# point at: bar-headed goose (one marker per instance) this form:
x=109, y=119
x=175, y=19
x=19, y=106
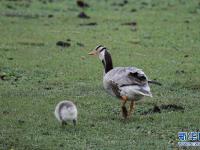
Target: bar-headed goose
x=126, y=83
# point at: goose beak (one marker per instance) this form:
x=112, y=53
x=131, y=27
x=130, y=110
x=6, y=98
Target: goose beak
x=94, y=52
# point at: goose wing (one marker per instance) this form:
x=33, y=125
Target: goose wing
x=125, y=76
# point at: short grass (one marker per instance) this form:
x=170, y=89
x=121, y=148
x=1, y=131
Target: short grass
x=36, y=74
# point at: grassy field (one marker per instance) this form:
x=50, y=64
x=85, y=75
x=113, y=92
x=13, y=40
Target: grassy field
x=35, y=73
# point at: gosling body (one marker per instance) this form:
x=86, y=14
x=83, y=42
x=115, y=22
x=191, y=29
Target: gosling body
x=66, y=111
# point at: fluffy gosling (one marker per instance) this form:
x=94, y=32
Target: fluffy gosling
x=66, y=111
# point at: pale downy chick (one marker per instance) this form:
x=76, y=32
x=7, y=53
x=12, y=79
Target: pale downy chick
x=66, y=111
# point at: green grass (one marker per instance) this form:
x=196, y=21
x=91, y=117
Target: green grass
x=38, y=74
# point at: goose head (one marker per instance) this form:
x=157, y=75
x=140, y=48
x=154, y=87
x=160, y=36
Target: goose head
x=104, y=56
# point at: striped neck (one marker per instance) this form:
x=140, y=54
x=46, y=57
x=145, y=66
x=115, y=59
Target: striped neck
x=107, y=62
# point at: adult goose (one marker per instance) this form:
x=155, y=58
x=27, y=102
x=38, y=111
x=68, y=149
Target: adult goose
x=126, y=83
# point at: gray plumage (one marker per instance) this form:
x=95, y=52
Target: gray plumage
x=66, y=111
x=131, y=82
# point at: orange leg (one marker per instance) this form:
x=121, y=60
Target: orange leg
x=124, y=110
x=132, y=107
